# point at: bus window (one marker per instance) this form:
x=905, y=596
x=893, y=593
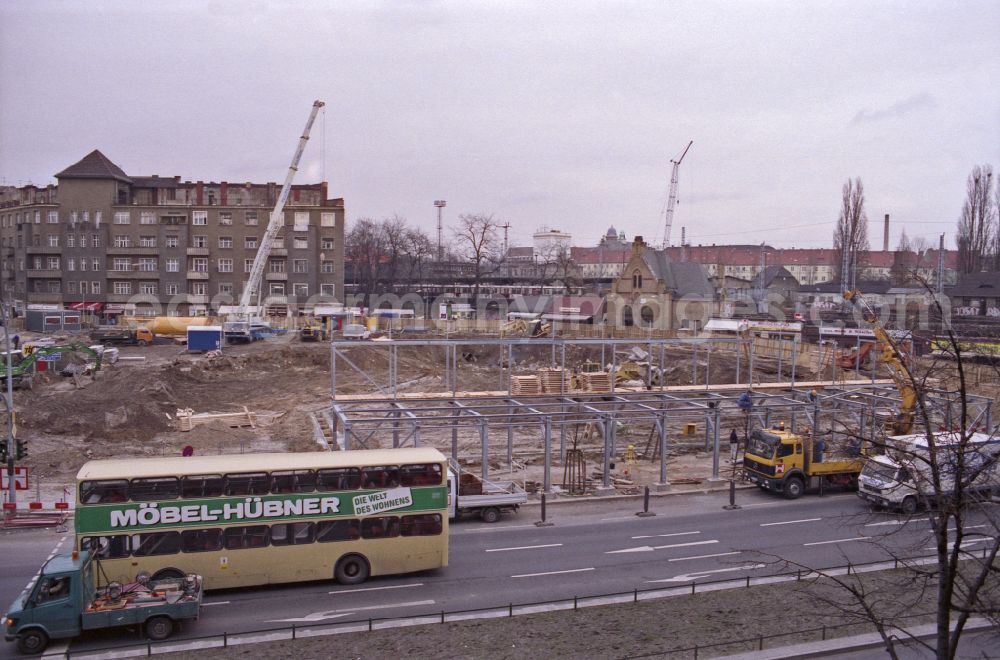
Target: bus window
x=255, y=483
x=300, y=481
x=162, y=488
x=292, y=533
x=156, y=543
x=201, y=540
x=102, y=492
x=337, y=530
x=106, y=547
x=380, y=528
x=238, y=538
x=381, y=477
x=420, y=475
x=422, y=525
x=340, y=479
x=208, y=485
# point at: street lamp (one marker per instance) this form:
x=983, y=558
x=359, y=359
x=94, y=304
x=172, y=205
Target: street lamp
x=440, y=204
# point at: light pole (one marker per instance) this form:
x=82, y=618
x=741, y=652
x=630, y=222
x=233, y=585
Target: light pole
x=440, y=204
x=9, y=400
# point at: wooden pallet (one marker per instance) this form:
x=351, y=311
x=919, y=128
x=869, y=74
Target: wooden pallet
x=525, y=385
x=553, y=380
x=596, y=382
x=187, y=419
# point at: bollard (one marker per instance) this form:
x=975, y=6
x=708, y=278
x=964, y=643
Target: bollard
x=645, y=505
x=543, y=522
x=732, y=497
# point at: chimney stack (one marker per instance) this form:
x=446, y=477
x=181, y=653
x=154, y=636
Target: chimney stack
x=885, y=236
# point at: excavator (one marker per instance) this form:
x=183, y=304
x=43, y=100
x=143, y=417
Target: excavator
x=893, y=358
x=849, y=359
x=533, y=328
x=20, y=371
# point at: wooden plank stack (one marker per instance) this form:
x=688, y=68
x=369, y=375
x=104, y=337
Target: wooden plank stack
x=553, y=380
x=525, y=385
x=599, y=381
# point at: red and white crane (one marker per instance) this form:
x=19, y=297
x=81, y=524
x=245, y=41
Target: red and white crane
x=672, y=197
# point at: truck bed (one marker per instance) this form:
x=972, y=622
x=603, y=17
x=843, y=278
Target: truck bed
x=162, y=599
x=840, y=464
x=499, y=493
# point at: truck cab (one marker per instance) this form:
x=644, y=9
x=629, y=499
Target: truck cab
x=789, y=463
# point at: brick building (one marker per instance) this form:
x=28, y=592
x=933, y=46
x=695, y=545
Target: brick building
x=108, y=242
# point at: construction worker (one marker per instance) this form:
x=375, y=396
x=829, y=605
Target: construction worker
x=734, y=445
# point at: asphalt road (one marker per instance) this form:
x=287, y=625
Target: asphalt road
x=593, y=548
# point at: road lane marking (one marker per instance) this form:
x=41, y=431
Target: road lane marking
x=856, y=538
x=572, y=570
x=391, y=586
x=57, y=649
x=887, y=522
x=218, y=602
x=495, y=528
x=965, y=542
x=790, y=522
x=650, y=548
x=526, y=547
x=687, y=577
x=656, y=536
x=334, y=614
x=720, y=554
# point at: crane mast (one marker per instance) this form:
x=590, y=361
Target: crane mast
x=275, y=223
x=672, y=197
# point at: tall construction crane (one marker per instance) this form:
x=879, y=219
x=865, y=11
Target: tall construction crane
x=237, y=326
x=672, y=198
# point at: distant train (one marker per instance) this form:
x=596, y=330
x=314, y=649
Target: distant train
x=982, y=349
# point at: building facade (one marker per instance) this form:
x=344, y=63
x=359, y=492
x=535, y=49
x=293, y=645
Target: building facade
x=108, y=242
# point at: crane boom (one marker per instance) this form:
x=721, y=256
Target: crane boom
x=276, y=221
x=672, y=197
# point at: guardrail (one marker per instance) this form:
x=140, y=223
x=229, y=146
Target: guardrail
x=372, y=624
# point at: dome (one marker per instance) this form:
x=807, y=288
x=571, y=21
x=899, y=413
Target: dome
x=612, y=233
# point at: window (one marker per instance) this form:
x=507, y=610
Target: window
x=172, y=241
x=293, y=533
x=173, y=265
x=147, y=241
x=95, y=241
x=148, y=288
x=121, y=263
x=225, y=265
x=36, y=263
x=301, y=290
x=95, y=264
x=252, y=483
x=326, y=266
x=199, y=264
x=278, y=242
x=123, y=288
x=201, y=540
x=225, y=241
x=95, y=287
x=38, y=217
x=326, y=243
x=300, y=242
x=173, y=289
x=147, y=218
x=156, y=543
x=428, y=524
x=328, y=531
x=147, y=264
x=225, y=218
x=226, y=288
x=102, y=492
x=83, y=240
x=54, y=286
x=199, y=289
x=277, y=288
x=636, y=279
x=52, y=263
x=121, y=217
x=380, y=477
x=53, y=217
x=250, y=242
x=247, y=265
x=300, y=266
x=70, y=287
x=238, y=538
x=70, y=240
x=276, y=266
x=53, y=240
x=380, y=528
x=298, y=481
x=83, y=263
x=199, y=218
x=327, y=219
x=211, y=485
x=420, y=475
x=70, y=263
x=301, y=221
x=327, y=289
x=122, y=241
x=251, y=218
x=339, y=479
x=199, y=241
x=106, y=547
x=158, y=488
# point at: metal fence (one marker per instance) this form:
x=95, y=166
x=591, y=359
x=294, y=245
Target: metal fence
x=371, y=624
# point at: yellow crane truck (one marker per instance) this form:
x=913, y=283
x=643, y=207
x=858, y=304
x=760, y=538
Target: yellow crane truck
x=789, y=463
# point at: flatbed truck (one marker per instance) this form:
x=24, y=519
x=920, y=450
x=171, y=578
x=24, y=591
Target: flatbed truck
x=469, y=494
x=65, y=600
x=789, y=463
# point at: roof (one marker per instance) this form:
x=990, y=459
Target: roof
x=986, y=285
x=130, y=468
x=155, y=182
x=771, y=273
x=682, y=278
x=586, y=306
x=875, y=287
x=94, y=165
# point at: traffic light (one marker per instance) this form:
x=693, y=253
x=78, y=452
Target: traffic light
x=22, y=450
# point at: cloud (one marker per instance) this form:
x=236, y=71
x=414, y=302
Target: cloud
x=898, y=109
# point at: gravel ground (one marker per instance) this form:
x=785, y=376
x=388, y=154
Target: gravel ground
x=659, y=628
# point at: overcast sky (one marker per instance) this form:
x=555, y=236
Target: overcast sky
x=557, y=114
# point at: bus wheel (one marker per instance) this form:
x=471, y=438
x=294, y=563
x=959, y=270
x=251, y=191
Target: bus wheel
x=352, y=569
x=32, y=641
x=159, y=627
x=793, y=488
x=490, y=514
x=168, y=574
x=909, y=505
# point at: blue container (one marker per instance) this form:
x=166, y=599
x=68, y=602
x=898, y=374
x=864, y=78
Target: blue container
x=204, y=338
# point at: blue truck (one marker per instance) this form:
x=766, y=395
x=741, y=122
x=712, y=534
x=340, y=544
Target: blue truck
x=65, y=600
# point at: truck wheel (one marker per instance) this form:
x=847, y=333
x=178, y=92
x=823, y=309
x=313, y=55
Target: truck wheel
x=909, y=505
x=490, y=514
x=168, y=574
x=794, y=488
x=32, y=641
x=159, y=628
x=352, y=569
x=144, y=342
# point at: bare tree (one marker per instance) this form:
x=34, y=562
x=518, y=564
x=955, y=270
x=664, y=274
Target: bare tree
x=365, y=251
x=977, y=236
x=477, y=240
x=850, y=239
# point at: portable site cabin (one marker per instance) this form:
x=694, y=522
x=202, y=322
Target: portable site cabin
x=52, y=320
x=204, y=338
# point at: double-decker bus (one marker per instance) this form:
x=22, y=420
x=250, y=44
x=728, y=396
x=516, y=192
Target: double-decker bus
x=252, y=519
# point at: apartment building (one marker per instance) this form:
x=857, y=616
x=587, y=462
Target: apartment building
x=108, y=242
